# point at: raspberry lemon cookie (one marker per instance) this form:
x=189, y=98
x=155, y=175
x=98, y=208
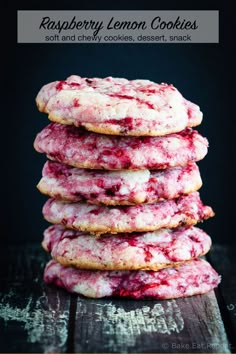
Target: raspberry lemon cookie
x=186, y=210
x=192, y=278
x=117, y=187
x=118, y=106
x=82, y=149
x=147, y=251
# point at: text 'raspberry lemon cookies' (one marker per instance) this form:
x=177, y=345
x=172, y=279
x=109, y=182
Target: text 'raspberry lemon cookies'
x=123, y=183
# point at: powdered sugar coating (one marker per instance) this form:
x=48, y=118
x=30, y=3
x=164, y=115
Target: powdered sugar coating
x=186, y=210
x=118, y=106
x=191, y=278
x=83, y=149
x=117, y=187
x=149, y=251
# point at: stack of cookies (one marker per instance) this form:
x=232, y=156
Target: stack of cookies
x=123, y=181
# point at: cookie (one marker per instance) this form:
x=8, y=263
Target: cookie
x=192, y=278
x=117, y=187
x=82, y=149
x=186, y=210
x=147, y=251
x=118, y=106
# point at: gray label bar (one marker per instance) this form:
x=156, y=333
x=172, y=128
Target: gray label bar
x=118, y=26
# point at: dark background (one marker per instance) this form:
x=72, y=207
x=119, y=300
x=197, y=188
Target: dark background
x=202, y=72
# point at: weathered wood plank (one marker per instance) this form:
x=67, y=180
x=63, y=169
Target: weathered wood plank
x=37, y=317
x=223, y=259
x=33, y=317
x=184, y=325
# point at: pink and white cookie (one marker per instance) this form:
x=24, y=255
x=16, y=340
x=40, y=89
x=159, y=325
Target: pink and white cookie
x=82, y=149
x=186, y=210
x=118, y=106
x=191, y=278
x=147, y=251
x=117, y=187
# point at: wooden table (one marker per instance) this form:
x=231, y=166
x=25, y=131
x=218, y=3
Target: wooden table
x=39, y=318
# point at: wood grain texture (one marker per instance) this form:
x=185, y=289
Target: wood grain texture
x=223, y=259
x=183, y=325
x=33, y=317
x=39, y=318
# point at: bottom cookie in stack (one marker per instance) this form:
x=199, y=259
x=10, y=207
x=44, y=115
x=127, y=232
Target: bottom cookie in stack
x=160, y=264
x=190, y=278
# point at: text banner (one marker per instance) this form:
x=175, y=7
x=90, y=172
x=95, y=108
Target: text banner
x=118, y=26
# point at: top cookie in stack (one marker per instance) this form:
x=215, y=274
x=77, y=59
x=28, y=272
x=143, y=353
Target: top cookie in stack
x=140, y=133
x=118, y=106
